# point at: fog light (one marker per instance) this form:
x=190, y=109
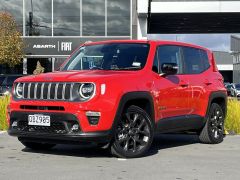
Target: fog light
x=75, y=128
x=14, y=124
x=93, y=117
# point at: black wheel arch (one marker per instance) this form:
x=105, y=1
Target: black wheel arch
x=219, y=97
x=142, y=99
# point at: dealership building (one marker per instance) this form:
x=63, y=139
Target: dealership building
x=52, y=29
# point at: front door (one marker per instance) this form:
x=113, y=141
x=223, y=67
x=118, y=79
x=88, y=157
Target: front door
x=173, y=90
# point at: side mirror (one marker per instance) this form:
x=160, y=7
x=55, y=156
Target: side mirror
x=169, y=68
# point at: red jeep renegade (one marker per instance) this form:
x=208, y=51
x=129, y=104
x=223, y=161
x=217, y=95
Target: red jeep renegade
x=121, y=93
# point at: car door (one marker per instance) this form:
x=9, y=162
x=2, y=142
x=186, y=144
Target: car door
x=196, y=66
x=173, y=90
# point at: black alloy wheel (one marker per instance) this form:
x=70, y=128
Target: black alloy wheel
x=134, y=134
x=213, y=131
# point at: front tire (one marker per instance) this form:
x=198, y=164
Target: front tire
x=213, y=131
x=134, y=134
x=37, y=146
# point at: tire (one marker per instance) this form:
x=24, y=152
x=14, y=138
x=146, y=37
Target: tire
x=133, y=135
x=213, y=131
x=37, y=146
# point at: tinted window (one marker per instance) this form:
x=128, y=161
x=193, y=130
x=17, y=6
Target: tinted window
x=170, y=54
x=195, y=60
x=116, y=56
x=237, y=86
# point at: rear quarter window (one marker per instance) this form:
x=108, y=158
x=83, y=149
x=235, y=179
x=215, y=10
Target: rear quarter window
x=195, y=60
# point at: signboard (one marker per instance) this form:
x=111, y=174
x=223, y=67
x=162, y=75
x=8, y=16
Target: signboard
x=55, y=46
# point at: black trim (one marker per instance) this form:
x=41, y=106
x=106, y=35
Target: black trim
x=135, y=95
x=215, y=95
x=180, y=123
x=68, y=136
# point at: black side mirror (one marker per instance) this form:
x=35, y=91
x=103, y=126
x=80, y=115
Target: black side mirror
x=169, y=68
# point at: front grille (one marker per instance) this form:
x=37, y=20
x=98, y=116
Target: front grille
x=50, y=91
x=48, y=108
x=55, y=128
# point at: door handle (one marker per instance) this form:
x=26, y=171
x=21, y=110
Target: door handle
x=183, y=84
x=207, y=82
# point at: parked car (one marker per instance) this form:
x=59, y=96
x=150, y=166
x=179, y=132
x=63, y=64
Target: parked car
x=119, y=94
x=7, y=83
x=230, y=91
x=236, y=90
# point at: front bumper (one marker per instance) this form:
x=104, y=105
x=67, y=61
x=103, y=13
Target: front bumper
x=59, y=132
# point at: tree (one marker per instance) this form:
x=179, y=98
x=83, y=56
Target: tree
x=11, y=43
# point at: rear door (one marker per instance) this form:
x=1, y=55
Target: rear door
x=197, y=68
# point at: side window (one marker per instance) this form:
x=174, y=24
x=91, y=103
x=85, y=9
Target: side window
x=205, y=59
x=195, y=60
x=170, y=54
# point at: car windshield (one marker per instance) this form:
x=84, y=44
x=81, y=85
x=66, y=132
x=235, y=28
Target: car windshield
x=114, y=56
x=237, y=86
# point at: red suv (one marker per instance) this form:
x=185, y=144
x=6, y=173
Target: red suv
x=121, y=93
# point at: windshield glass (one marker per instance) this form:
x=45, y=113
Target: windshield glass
x=116, y=56
x=237, y=86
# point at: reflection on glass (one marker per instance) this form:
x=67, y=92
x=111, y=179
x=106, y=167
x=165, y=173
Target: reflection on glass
x=93, y=17
x=66, y=17
x=14, y=7
x=118, y=20
x=38, y=17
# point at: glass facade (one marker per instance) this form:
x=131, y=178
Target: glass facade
x=15, y=8
x=38, y=14
x=66, y=21
x=93, y=16
x=82, y=18
x=118, y=18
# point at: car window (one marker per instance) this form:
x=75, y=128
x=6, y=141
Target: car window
x=170, y=54
x=1, y=80
x=237, y=86
x=195, y=60
x=9, y=80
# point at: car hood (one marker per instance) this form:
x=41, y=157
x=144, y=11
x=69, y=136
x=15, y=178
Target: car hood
x=75, y=76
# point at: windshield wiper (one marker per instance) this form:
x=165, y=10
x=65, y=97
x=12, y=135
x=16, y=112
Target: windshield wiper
x=126, y=68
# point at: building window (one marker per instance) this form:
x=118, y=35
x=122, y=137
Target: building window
x=66, y=18
x=38, y=17
x=93, y=17
x=118, y=17
x=15, y=8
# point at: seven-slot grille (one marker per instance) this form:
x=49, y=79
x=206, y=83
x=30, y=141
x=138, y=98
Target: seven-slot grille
x=50, y=90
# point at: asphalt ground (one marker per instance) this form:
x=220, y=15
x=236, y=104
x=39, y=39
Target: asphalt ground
x=173, y=157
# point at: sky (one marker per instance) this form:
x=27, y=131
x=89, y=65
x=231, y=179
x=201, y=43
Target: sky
x=215, y=42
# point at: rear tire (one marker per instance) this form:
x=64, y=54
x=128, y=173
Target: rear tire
x=213, y=131
x=134, y=134
x=37, y=146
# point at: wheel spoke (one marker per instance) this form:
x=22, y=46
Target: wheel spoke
x=134, y=145
x=135, y=118
x=126, y=145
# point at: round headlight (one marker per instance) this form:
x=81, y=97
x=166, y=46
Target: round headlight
x=19, y=90
x=86, y=90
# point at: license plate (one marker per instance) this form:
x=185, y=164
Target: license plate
x=38, y=120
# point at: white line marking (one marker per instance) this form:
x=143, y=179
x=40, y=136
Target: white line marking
x=121, y=159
